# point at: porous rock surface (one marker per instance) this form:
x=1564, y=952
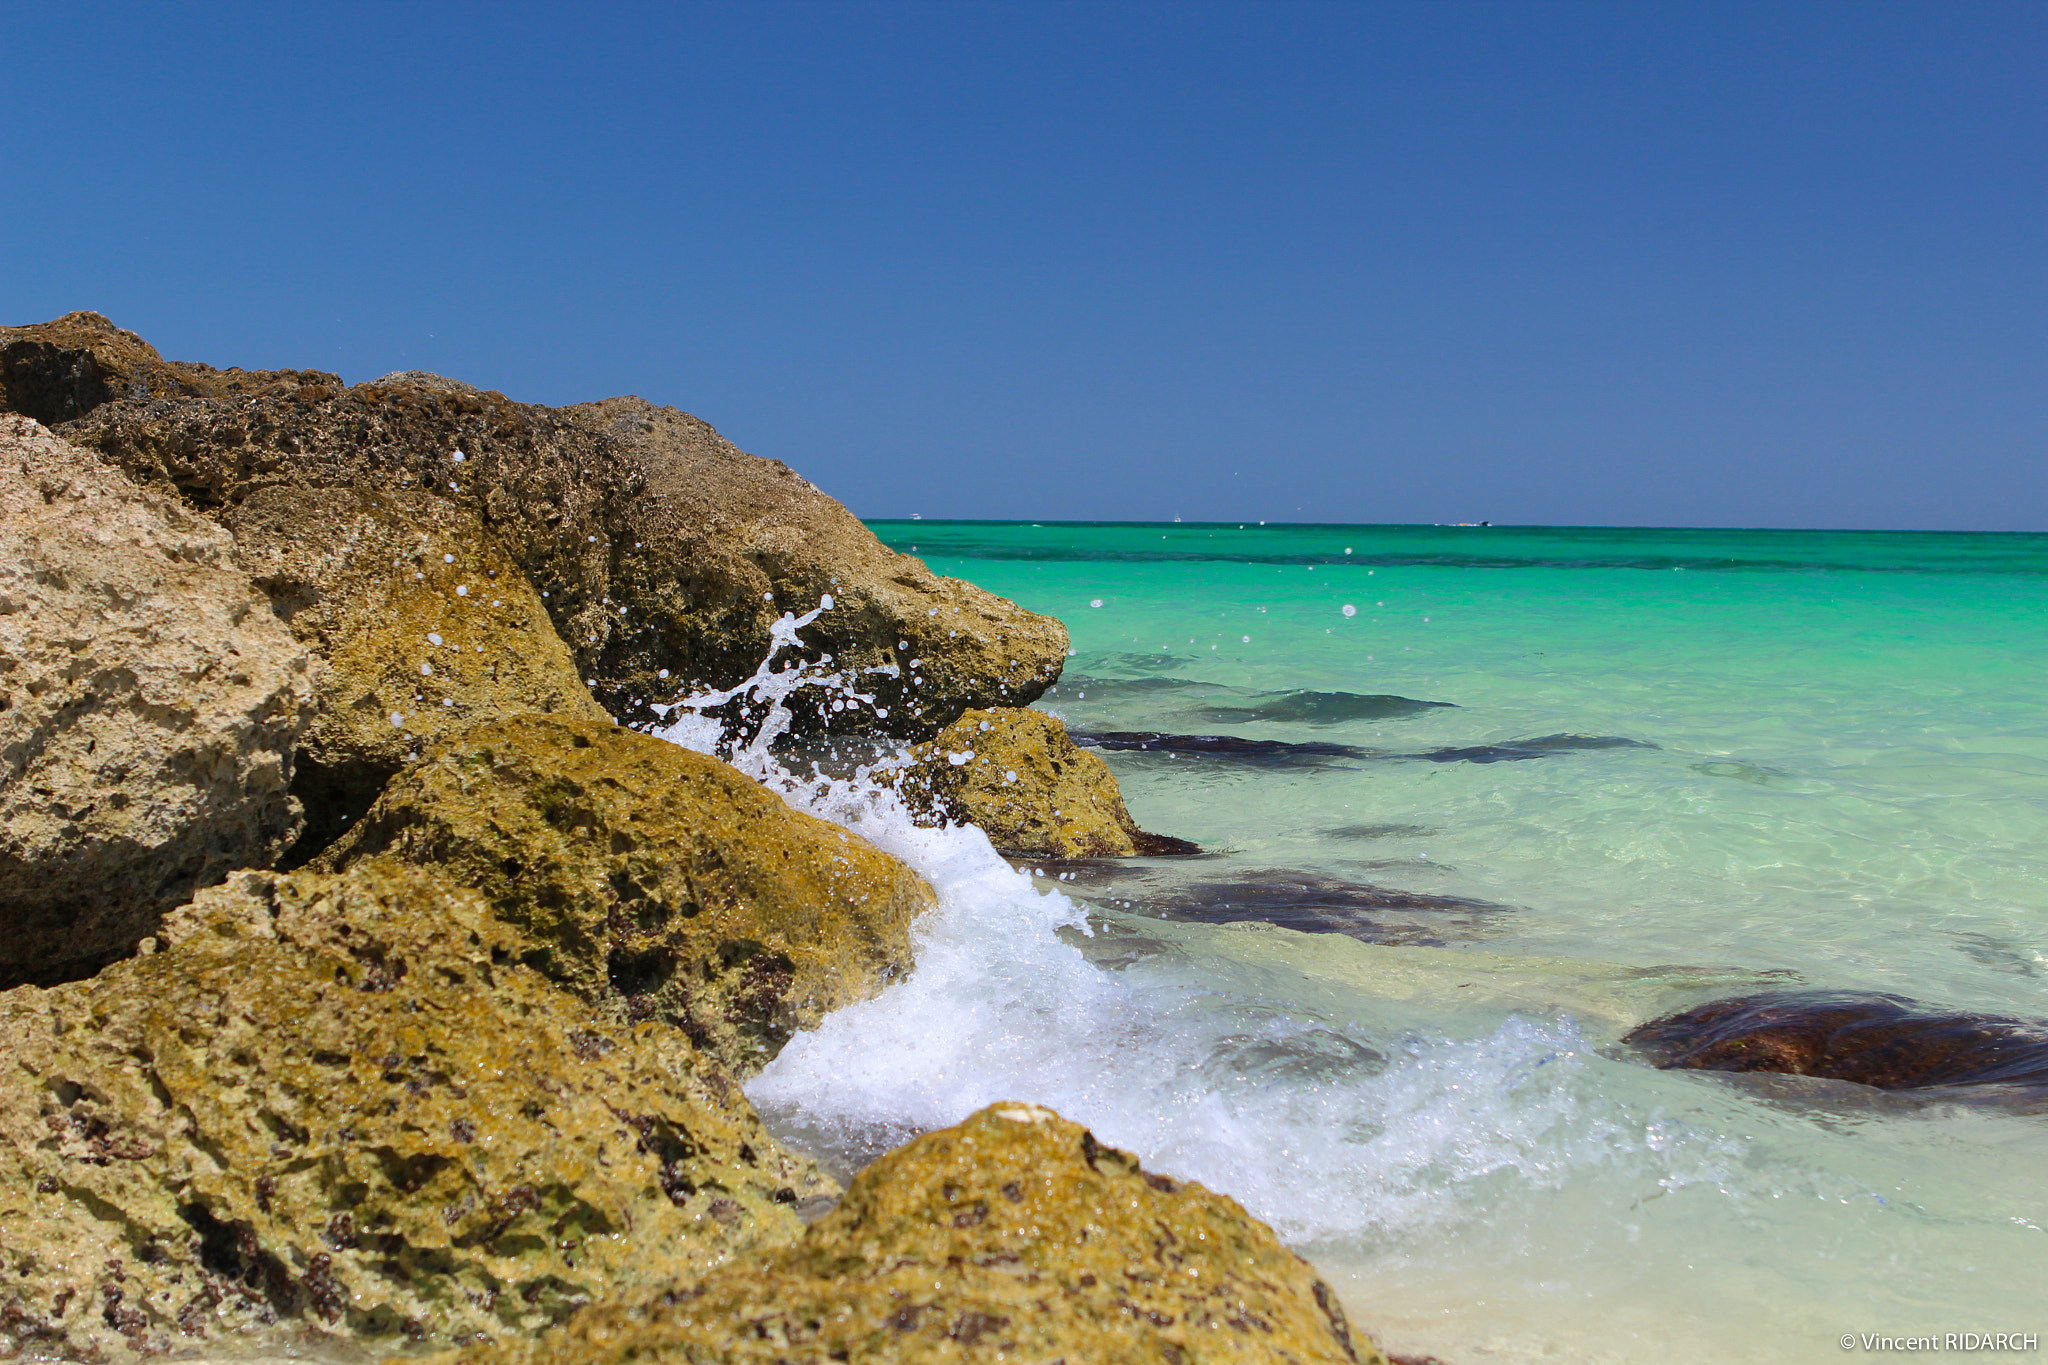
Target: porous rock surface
x=339, y=1105
x=55, y=371
x=1013, y=1236
x=737, y=531
x=1020, y=778
x=149, y=705
x=422, y=620
x=662, y=550
x=653, y=878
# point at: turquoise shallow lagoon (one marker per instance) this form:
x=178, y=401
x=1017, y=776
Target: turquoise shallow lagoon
x=1836, y=776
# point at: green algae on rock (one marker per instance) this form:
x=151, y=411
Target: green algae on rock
x=337, y=1105
x=1018, y=776
x=424, y=623
x=1013, y=1236
x=653, y=877
x=149, y=706
x=664, y=551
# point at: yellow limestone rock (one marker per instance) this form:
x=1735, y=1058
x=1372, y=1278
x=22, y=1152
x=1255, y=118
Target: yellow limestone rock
x=652, y=877
x=338, y=1106
x=1018, y=776
x=1015, y=1236
x=149, y=706
x=424, y=622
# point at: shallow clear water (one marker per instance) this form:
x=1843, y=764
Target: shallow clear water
x=1839, y=778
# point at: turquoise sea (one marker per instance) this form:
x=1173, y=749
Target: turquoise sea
x=1767, y=759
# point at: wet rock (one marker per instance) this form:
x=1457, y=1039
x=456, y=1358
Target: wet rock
x=662, y=551
x=1020, y=778
x=654, y=879
x=424, y=623
x=149, y=704
x=338, y=1106
x=55, y=371
x=1885, y=1041
x=1013, y=1236
x=727, y=530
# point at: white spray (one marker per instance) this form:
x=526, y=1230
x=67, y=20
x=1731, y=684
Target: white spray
x=1202, y=1080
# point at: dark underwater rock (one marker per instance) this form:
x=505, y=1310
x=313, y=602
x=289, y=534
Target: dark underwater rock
x=1885, y=1041
x=1323, y=708
x=1197, y=889
x=1316, y=904
x=1516, y=750
x=1277, y=753
x=1271, y=753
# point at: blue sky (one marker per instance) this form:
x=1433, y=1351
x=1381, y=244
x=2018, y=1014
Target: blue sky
x=1768, y=264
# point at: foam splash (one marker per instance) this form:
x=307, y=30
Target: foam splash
x=1322, y=1128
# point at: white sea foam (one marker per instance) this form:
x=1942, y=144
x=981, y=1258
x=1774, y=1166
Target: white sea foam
x=1327, y=1129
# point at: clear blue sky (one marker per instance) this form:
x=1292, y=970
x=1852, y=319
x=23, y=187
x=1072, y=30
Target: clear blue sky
x=1755, y=264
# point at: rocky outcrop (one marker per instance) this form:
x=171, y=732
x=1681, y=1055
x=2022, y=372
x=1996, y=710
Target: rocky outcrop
x=1014, y=1236
x=1020, y=778
x=424, y=623
x=662, y=551
x=741, y=537
x=1884, y=1041
x=149, y=704
x=339, y=1105
x=55, y=371
x=655, y=879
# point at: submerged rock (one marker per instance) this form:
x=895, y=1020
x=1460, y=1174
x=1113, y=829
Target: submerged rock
x=339, y=1106
x=424, y=623
x=1268, y=753
x=1520, y=750
x=653, y=878
x=1321, y=708
x=1307, y=902
x=149, y=704
x=1279, y=753
x=1013, y=1236
x=1885, y=1041
x=55, y=371
x=1020, y=778
x=662, y=551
